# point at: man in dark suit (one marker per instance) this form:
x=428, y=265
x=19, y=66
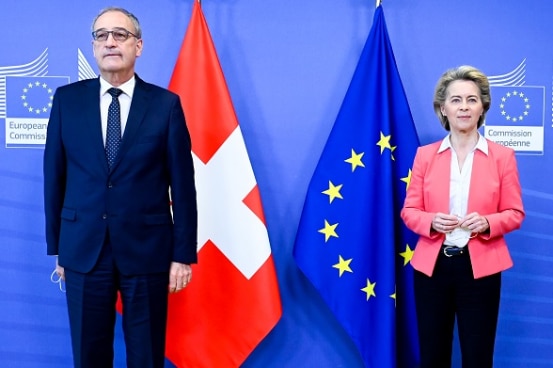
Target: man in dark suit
x=117, y=152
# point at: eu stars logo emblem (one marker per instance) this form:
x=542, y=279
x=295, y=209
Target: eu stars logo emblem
x=516, y=106
x=37, y=91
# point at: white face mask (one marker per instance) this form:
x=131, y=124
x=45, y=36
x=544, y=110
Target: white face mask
x=459, y=237
x=57, y=280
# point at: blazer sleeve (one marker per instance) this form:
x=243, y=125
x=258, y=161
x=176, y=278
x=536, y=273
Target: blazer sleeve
x=414, y=212
x=54, y=171
x=182, y=187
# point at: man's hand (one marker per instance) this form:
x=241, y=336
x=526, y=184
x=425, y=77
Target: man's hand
x=60, y=271
x=180, y=275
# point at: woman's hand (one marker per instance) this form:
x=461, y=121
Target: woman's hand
x=444, y=223
x=475, y=223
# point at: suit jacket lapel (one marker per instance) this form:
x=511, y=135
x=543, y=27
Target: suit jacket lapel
x=92, y=129
x=139, y=106
x=481, y=173
x=443, y=168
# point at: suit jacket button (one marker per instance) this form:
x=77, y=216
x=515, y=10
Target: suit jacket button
x=104, y=216
x=110, y=185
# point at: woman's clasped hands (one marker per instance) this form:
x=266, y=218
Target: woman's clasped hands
x=473, y=223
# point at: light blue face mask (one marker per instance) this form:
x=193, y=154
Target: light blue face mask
x=56, y=279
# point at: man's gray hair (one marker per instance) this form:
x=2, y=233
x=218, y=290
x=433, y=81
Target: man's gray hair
x=137, y=31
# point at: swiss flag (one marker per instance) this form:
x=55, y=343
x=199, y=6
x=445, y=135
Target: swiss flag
x=233, y=300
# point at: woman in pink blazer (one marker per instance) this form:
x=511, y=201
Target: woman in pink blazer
x=464, y=196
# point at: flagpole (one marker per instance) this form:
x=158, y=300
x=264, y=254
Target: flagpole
x=378, y=2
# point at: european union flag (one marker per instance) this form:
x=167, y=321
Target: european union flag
x=351, y=242
x=31, y=97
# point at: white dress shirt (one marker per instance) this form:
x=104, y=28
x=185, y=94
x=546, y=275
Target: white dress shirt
x=124, y=101
x=459, y=185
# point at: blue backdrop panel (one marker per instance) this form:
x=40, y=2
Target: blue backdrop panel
x=288, y=65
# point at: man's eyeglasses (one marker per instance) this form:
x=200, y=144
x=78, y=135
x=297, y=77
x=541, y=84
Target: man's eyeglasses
x=118, y=34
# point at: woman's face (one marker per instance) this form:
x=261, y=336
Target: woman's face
x=463, y=106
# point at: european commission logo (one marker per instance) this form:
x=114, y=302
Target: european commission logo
x=26, y=97
x=28, y=106
x=516, y=116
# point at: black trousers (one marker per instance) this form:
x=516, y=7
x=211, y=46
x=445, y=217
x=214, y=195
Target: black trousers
x=452, y=292
x=91, y=299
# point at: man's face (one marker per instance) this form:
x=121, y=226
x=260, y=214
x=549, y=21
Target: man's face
x=116, y=57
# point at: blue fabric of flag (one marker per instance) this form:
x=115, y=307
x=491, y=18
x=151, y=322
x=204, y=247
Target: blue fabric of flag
x=351, y=243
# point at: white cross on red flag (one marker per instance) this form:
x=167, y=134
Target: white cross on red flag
x=233, y=301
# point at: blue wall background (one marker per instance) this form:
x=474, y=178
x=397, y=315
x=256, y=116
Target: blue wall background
x=288, y=65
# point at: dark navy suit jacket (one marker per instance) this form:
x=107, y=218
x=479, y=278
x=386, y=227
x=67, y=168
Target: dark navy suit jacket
x=84, y=200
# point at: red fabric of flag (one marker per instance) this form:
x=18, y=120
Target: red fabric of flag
x=233, y=300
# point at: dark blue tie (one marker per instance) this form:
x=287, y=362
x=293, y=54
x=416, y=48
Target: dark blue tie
x=113, y=133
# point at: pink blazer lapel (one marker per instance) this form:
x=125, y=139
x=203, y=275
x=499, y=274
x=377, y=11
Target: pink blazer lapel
x=439, y=185
x=482, y=184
